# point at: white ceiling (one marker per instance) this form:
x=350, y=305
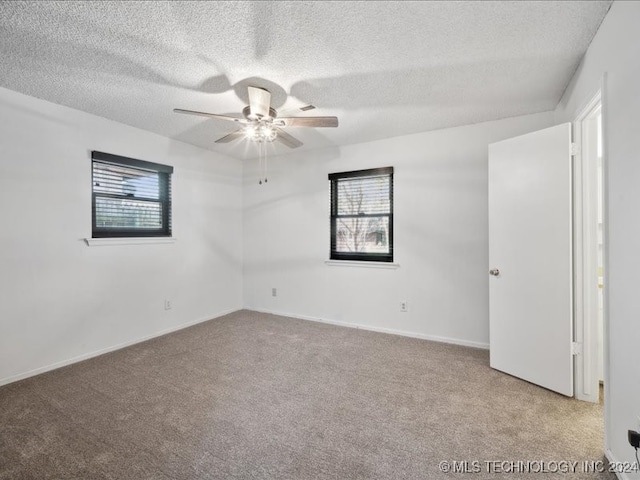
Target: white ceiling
x=384, y=68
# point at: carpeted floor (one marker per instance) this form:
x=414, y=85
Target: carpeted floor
x=256, y=396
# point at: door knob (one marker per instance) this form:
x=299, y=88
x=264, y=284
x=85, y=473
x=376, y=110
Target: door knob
x=494, y=271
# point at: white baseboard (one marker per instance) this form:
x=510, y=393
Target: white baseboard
x=433, y=338
x=86, y=356
x=612, y=459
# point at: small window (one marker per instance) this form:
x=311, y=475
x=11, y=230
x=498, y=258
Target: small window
x=131, y=198
x=362, y=215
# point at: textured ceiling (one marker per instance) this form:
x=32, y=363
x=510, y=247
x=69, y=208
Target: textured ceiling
x=384, y=68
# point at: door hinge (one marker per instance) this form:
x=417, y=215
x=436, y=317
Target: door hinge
x=575, y=150
x=576, y=348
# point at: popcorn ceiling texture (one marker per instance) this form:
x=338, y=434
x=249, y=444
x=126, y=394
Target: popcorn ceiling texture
x=384, y=68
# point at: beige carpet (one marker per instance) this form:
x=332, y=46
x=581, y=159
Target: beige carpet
x=255, y=396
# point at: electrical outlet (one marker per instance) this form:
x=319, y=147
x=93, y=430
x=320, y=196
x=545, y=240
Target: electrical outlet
x=274, y=292
x=404, y=307
x=167, y=304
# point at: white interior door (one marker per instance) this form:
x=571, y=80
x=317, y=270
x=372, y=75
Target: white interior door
x=530, y=211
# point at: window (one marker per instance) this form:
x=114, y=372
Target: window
x=131, y=198
x=362, y=215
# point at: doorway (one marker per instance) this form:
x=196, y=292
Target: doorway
x=547, y=254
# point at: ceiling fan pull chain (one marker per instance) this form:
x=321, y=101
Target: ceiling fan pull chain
x=259, y=164
x=265, y=162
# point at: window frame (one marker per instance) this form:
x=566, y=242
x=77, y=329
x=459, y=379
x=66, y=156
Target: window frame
x=334, y=216
x=164, y=192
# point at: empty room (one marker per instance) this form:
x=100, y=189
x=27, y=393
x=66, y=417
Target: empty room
x=319, y=239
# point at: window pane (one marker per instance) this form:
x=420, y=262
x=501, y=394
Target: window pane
x=121, y=180
x=364, y=234
x=368, y=195
x=127, y=213
x=361, y=215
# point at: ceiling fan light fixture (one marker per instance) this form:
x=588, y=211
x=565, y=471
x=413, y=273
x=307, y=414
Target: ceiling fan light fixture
x=268, y=133
x=249, y=131
x=260, y=132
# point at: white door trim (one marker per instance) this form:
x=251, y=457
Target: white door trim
x=605, y=253
x=585, y=256
x=602, y=92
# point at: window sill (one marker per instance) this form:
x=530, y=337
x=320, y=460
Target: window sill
x=357, y=263
x=106, y=242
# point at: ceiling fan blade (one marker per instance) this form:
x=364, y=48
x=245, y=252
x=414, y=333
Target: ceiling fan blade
x=259, y=102
x=289, y=140
x=232, y=136
x=210, y=115
x=309, y=121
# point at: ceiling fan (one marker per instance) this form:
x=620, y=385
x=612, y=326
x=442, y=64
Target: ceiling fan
x=260, y=122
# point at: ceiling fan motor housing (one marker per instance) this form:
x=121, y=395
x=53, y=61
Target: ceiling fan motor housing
x=246, y=111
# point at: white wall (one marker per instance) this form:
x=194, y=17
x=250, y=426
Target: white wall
x=616, y=51
x=59, y=298
x=441, y=234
